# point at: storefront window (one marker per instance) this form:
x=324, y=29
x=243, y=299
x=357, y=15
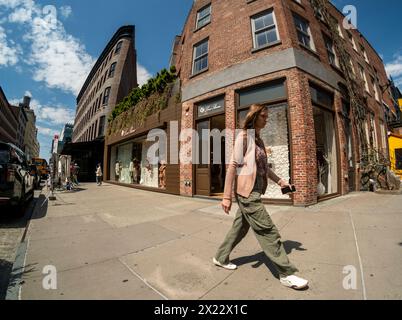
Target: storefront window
x=276, y=139
x=130, y=165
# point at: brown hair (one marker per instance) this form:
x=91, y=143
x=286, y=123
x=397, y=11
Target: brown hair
x=254, y=112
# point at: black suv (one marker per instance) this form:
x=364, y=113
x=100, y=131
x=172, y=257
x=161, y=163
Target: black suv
x=16, y=181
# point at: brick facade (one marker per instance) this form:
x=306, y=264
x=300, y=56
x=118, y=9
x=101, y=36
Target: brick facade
x=230, y=39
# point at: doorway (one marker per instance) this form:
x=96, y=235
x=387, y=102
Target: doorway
x=210, y=172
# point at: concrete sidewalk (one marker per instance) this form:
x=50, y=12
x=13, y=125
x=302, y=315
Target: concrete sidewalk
x=113, y=242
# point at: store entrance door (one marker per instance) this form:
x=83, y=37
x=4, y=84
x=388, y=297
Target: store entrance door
x=210, y=176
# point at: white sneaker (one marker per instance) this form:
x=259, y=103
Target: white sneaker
x=294, y=282
x=229, y=266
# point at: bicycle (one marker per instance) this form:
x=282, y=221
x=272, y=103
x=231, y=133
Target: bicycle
x=374, y=171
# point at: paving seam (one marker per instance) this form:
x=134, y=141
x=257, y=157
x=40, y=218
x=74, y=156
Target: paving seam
x=143, y=280
x=360, y=259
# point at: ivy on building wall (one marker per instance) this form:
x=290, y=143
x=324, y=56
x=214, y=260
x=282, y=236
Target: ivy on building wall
x=154, y=85
x=143, y=101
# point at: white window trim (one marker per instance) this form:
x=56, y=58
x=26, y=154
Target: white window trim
x=312, y=44
x=364, y=78
x=198, y=16
x=333, y=51
x=203, y=55
x=271, y=10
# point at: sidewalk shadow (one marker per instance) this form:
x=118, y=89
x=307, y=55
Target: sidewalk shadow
x=5, y=271
x=260, y=258
x=10, y=277
x=17, y=218
x=41, y=208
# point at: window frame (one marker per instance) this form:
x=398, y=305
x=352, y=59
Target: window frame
x=106, y=96
x=308, y=34
x=209, y=15
x=112, y=69
x=202, y=56
x=118, y=47
x=331, y=52
x=264, y=29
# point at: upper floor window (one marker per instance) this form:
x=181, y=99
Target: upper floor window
x=112, y=70
x=264, y=29
x=363, y=50
x=106, y=96
x=303, y=32
x=352, y=40
x=203, y=16
x=329, y=44
x=349, y=60
x=364, y=78
x=101, y=129
x=374, y=83
x=118, y=47
x=200, y=56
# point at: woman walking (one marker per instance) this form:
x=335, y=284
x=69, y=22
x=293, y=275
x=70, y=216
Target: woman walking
x=249, y=169
x=99, y=175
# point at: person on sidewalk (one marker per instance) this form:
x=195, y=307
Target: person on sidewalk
x=99, y=174
x=76, y=172
x=249, y=169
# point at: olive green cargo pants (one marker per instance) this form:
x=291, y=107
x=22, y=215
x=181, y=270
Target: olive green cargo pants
x=252, y=213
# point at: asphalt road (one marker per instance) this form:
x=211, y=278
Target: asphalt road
x=11, y=232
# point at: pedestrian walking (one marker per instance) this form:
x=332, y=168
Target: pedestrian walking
x=250, y=170
x=99, y=174
x=76, y=172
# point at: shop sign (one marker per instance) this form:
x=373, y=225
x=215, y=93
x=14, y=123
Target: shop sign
x=210, y=108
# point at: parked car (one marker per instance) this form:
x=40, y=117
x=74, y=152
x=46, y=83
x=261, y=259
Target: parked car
x=35, y=173
x=16, y=181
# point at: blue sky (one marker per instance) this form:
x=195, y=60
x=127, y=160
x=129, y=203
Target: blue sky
x=47, y=48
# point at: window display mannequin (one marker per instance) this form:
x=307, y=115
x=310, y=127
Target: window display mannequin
x=117, y=170
x=137, y=171
x=131, y=169
x=162, y=175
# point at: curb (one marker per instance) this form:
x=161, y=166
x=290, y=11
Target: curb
x=15, y=281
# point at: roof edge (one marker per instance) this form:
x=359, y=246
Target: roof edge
x=122, y=32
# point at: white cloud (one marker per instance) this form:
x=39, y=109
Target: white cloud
x=46, y=131
x=56, y=57
x=11, y=3
x=56, y=115
x=66, y=11
x=394, y=69
x=51, y=115
x=59, y=59
x=21, y=15
x=14, y=102
x=8, y=53
x=142, y=75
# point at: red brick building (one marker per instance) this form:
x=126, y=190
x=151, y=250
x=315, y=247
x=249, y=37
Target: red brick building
x=234, y=53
